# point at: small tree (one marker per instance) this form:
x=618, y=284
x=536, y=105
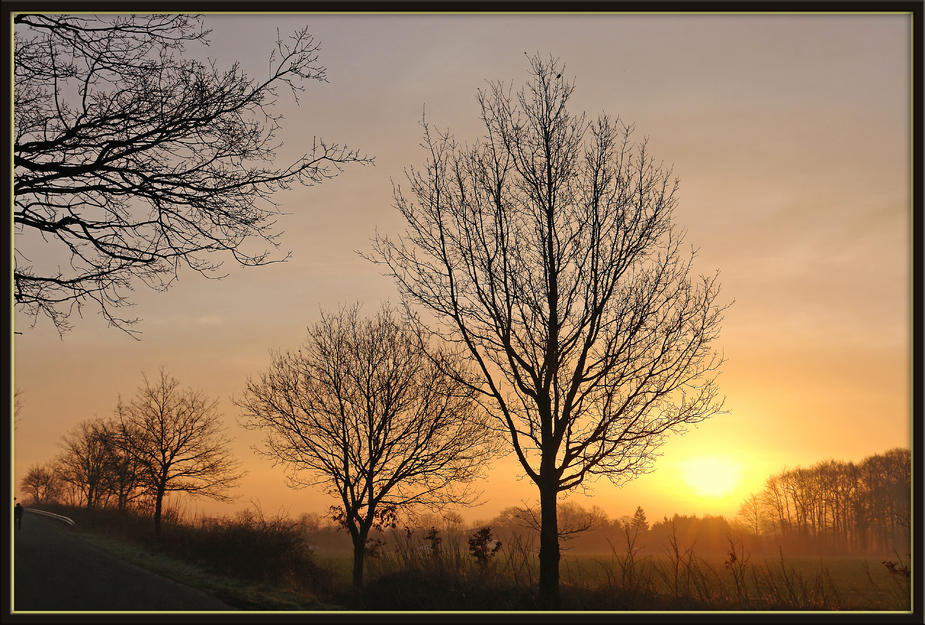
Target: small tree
x=639, y=524
x=42, y=483
x=177, y=440
x=483, y=547
x=751, y=514
x=366, y=411
x=85, y=462
x=547, y=250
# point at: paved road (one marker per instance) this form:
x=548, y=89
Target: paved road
x=55, y=569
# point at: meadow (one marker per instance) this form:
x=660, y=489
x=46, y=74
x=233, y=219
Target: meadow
x=259, y=562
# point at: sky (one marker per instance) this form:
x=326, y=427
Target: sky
x=791, y=139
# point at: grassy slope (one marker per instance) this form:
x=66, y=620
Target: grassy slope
x=239, y=594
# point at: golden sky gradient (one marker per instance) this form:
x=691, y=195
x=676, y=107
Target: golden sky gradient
x=791, y=139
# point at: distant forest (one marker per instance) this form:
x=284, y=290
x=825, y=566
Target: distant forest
x=829, y=508
x=843, y=505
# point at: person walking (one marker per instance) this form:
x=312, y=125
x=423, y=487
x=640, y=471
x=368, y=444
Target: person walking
x=17, y=514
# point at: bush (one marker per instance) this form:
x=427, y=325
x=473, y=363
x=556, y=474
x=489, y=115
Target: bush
x=251, y=547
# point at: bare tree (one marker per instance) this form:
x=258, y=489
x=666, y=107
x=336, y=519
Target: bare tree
x=123, y=477
x=41, y=482
x=95, y=466
x=177, y=439
x=751, y=514
x=547, y=250
x=364, y=410
x=84, y=463
x=843, y=504
x=132, y=161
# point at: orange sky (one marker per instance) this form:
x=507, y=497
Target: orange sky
x=790, y=136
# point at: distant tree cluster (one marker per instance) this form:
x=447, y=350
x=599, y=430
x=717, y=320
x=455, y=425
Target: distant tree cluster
x=96, y=468
x=41, y=483
x=864, y=506
x=829, y=507
x=574, y=519
x=166, y=439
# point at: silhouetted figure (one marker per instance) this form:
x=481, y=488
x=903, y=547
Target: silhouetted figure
x=17, y=514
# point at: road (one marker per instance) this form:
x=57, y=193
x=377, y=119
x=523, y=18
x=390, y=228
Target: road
x=55, y=569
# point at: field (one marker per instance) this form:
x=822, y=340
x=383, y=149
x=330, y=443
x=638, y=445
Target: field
x=407, y=572
x=261, y=563
x=403, y=579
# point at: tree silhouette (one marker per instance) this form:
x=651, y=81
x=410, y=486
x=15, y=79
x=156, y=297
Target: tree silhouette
x=364, y=410
x=572, y=518
x=42, y=483
x=84, y=464
x=131, y=161
x=176, y=438
x=751, y=514
x=547, y=251
x=639, y=524
x=124, y=470
x=864, y=506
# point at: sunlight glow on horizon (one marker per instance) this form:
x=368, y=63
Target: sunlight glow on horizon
x=711, y=476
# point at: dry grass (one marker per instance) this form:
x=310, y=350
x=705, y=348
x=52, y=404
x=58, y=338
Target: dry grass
x=416, y=571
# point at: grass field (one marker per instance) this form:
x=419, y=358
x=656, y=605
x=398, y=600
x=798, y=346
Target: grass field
x=257, y=563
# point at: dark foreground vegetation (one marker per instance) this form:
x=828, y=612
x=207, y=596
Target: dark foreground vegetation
x=833, y=536
x=679, y=563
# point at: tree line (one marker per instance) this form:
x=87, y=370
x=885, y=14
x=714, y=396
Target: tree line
x=166, y=439
x=861, y=506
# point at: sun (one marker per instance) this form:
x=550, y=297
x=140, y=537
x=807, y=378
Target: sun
x=711, y=476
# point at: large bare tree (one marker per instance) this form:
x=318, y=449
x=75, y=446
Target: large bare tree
x=364, y=410
x=547, y=250
x=131, y=161
x=177, y=439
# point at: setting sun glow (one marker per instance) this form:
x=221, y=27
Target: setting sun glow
x=711, y=476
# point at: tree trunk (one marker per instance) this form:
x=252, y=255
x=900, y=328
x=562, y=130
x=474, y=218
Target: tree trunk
x=359, y=550
x=549, y=547
x=158, y=501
